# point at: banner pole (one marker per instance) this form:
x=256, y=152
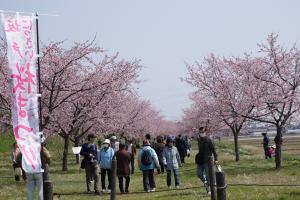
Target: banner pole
x=39, y=72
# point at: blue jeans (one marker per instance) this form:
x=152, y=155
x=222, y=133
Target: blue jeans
x=202, y=173
x=34, y=181
x=176, y=177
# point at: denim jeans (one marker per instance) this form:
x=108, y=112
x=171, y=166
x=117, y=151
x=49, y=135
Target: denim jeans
x=148, y=179
x=34, y=180
x=176, y=177
x=202, y=173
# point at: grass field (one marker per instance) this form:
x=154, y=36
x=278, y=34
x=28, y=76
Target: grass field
x=252, y=169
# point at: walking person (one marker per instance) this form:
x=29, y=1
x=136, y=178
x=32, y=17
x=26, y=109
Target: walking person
x=206, y=149
x=159, y=147
x=131, y=148
x=34, y=181
x=123, y=171
x=105, y=157
x=89, y=151
x=172, y=162
x=148, y=161
x=189, y=145
x=182, y=147
x=265, y=143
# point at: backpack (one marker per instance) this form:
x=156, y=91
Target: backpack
x=146, y=157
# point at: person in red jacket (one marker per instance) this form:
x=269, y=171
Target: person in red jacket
x=123, y=170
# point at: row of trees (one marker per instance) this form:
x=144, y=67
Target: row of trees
x=85, y=90
x=262, y=87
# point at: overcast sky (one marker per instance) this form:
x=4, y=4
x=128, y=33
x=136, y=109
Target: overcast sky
x=165, y=34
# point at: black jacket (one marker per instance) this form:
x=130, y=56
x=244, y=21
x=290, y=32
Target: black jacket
x=206, y=148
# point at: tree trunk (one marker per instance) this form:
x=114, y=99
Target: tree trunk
x=76, y=144
x=65, y=154
x=236, y=147
x=278, y=142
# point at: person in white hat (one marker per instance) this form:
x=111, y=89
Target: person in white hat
x=105, y=156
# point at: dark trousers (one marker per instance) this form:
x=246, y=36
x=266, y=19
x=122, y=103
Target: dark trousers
x=182, y=156
x=148, y=179
x=162, y=166
x=132, y=163
x=103, y=175
x=91, y=173
x=127, y=181
x=176, y=177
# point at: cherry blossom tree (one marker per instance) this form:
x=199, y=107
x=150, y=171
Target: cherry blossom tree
x=277, y=72
x=263, y=87
x=5, y=105
x=220, y=95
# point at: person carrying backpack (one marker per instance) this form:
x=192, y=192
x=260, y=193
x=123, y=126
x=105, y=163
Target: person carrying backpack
x=206, y=149
x=172, y=162
x=147, y=161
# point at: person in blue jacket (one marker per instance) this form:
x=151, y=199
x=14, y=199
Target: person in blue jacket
x=105, y=156
x=148, y=161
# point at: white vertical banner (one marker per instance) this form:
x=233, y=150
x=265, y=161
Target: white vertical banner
x=22, y=56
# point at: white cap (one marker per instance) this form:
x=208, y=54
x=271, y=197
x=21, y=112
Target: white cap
x=106, y=141
x=113, y=137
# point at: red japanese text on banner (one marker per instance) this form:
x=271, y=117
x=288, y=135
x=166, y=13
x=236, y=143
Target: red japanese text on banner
x=21, y=52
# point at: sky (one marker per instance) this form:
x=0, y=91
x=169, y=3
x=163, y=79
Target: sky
x=166, y=34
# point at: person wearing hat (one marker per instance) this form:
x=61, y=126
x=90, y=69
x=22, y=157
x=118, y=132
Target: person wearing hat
x=265, y=143
x=147, y=161
x=114, y=143
x=89, y=151
x=105, y=156
x=172, y=162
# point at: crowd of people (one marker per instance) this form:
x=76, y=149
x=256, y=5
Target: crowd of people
x=167, y=154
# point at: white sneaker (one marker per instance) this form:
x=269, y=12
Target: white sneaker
x=148, y=190
x=170, y=187
x=177, y=187
x=108, y=191
x=152, y=190
x=208, y=193
x=104, y=190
